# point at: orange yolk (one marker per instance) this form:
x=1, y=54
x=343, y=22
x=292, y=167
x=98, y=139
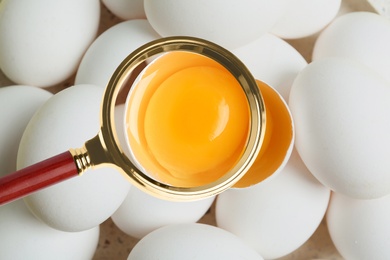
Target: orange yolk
x=188, y=120
x=278, y=139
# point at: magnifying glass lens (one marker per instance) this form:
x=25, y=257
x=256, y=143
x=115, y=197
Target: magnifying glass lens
x=187, y=120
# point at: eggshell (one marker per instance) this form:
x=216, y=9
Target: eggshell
x=192, y=241
x=42, y=42
x=305, y=17
x=230, y=24
x=110, y=49
x=360, y=228
x=18, y=104
x=126, y=9
x=65, y=121
x=25, y=237
x=142, y=213
x=361, y=36
x=273, y=61
x=278, y=216
x=341, y=114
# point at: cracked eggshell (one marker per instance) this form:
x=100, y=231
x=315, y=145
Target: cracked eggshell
x=341, y=114
x=68, y=120
x=42, y=42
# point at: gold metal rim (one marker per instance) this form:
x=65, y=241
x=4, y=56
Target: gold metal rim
x=109, y=139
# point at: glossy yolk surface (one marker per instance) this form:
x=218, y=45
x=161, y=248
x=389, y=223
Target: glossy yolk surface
x=188, y=120
x=278, y=139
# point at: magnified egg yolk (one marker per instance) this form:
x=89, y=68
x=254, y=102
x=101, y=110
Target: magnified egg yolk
x=188, y=120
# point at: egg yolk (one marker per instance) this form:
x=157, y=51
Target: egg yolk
x=187, y=120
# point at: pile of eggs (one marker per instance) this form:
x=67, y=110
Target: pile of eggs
x=338, y=170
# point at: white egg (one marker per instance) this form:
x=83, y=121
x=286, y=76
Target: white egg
x=306, y=17
x=192, y=241
x=25, y=237
x=110, y=49
x=273, y=61
x=42, y=42
x=126, y=9
x=360, y=228
x=142, y=213
x=275, y=217
x=231, y=24
x=360, y=36
x=341, y=114
x=65, y=121
x=18, y=104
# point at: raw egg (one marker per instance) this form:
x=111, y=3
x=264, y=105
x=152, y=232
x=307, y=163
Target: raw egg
x=188, y=120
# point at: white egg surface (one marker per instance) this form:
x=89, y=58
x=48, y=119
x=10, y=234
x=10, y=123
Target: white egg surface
x=110, y=49
x=18, y=104
x=361, y=36
x=275, y=217
x=230, y=24
x=192, y=241
x=125, y=9
x=137, y=220
x=273, y=61
x=360, y=228
x=25, y=237
x=305, y=17
x=42, y=42
x=67, y=120
x=341, y=114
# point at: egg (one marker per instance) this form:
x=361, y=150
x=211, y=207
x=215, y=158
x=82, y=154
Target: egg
x=273, y=61
x=275, y=217
x=42, y=42
x=125, y=9
x=192, y=241
x=110, y=49
x=340, y=109
x=22, y=235
x=25, y=237
x=360, y=228
x=305, y=17
x=230, y=25
x=141, y=213
x=352, y=36
x=67, y=120
x=18, y=106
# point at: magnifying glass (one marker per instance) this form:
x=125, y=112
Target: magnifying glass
x=193, y=126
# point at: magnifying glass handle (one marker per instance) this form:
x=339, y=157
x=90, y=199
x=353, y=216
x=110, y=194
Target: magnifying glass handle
x=37, y=176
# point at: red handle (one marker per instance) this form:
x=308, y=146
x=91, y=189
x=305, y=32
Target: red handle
x=37, y=176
